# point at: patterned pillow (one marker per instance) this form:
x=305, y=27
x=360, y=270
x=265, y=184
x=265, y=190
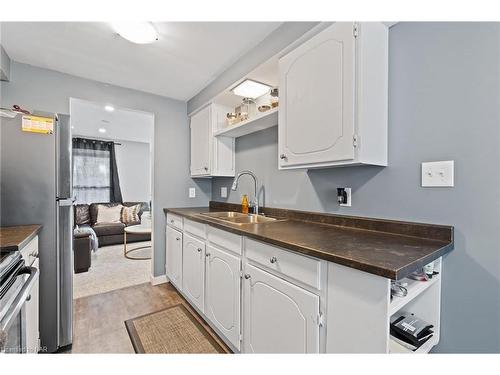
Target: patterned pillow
x=108, y=215
x=130, y=215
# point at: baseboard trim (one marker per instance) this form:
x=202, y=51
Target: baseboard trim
x=156, y=280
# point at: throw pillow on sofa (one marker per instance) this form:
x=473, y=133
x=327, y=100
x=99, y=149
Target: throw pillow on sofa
x=108, y=215
x=130, y=215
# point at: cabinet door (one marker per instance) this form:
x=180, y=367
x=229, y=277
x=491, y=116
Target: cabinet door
x=193, y=270
x=223, y=293
x=173, y=257
x=279, y=317
x=316, y=116
x=200, y=143
x=32, y=318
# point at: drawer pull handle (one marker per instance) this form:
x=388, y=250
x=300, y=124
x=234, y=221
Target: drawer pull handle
x=273, y=260
x=199, y=249
x=247, y=276
x=282, y=156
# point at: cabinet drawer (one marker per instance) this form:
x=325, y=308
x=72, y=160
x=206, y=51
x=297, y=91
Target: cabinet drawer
x=226, y=240
x=195, y=228
x=174, y=220
x=298, y=267
x=30, y=251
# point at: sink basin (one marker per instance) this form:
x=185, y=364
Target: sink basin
x=240, y=219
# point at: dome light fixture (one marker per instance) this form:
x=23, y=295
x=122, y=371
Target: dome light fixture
x=136, y=32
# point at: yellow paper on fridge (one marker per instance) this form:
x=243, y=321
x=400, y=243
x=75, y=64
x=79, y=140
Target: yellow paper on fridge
x=38, y=124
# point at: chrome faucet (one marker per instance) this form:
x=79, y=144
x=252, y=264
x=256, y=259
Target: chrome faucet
x=235, y=186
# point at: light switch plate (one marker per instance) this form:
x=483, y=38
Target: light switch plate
x=438, y=174
x=223, y=192
x=192, y=192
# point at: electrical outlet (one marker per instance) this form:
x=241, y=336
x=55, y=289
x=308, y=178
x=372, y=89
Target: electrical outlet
x=438, y=174
x=192, y=192
x=223, y=192
x=344, y=197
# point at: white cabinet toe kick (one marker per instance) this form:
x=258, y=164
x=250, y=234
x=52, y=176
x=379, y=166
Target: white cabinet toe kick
x=261, y=298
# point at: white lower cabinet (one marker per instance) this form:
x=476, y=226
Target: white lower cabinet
x=173, y=257
x=193, y=270
x=279, y=317
x=222, y=292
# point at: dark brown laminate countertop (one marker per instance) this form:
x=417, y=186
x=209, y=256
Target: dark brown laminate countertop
x=16, y=237
x=382, y=253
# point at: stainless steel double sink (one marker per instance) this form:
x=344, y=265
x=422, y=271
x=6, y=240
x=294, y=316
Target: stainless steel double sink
x=239, y=218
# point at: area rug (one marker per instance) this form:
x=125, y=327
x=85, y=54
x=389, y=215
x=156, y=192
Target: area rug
x=110, y=270
x=171, y=331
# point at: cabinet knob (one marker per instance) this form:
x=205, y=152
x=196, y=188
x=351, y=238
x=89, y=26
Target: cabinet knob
x=273, y=260
x=247, y=276
x=172, y=221
x=205, y=168
x=282, y=156
x=199, y=249
x=178, y=239
x=34, y=254
x=207, y=255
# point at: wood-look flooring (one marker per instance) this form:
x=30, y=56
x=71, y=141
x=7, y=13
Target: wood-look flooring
x=98, y=320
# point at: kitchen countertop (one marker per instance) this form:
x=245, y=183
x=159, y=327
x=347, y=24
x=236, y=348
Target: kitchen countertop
x=391, y=255
x=16, y=237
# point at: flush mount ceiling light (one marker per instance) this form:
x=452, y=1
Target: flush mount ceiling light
x=251, y=89
x=109, y=108
x=136, y=32
x=102, y=130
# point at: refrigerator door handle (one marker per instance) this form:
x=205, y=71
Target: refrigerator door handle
x=65, y=201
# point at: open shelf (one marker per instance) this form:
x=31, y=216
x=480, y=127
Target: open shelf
x=415, y=288
x=262, y=121
x=395, y=347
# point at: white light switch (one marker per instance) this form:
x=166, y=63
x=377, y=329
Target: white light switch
x=223, y=192
x=192, y=192
x=438, y=174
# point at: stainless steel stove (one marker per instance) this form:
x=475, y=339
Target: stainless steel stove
x=16, y=282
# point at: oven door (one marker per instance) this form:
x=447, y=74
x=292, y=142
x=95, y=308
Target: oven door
x=13, y=321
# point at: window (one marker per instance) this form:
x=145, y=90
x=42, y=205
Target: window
x=91, y=175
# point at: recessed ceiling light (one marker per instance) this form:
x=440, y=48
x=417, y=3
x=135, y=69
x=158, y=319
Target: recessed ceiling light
x=102, y=130
x=136, y=32
x=109, y=108
x=251, y=89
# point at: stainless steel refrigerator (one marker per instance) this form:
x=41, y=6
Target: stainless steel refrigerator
x=36, y=188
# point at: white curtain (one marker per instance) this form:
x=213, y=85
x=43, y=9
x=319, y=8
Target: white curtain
x=91, y=175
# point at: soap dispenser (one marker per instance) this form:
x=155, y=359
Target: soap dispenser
x=244, y=204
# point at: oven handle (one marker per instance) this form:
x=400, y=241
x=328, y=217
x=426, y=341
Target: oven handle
x=21, y=297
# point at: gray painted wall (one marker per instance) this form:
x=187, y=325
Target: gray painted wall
x=443, y=104
x=42, y=89
x=133, y=161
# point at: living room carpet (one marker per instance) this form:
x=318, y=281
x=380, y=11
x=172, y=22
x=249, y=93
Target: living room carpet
x=171, y=331
x=110, y=270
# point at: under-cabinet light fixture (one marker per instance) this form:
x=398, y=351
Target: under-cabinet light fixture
x=251, y=89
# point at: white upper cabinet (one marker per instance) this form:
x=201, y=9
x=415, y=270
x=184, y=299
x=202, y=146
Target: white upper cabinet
x=333, y=98
x=210, y=156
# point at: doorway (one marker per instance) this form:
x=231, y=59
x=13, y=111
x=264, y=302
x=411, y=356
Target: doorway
x=112, y=153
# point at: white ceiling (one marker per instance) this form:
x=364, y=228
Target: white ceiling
x=121, y=124
x=187, y=56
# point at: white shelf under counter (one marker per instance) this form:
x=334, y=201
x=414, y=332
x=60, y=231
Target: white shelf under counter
x=415, y=288
x=261, y=121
